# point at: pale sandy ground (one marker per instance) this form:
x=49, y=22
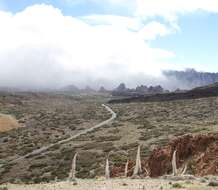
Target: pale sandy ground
x=7, y=122
x=115, y=184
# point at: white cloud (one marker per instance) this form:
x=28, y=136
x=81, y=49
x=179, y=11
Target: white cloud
x=154, y=29
x=170, y=9
x=132, y=23
x=40, y=47
x=149, y=31
x=105, y=4
x=100, y=1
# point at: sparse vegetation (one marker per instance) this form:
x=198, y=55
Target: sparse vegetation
x=177, y=185
x=3, y=188
x=49, y=118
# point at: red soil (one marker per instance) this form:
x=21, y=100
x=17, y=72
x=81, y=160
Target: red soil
x=199, y=152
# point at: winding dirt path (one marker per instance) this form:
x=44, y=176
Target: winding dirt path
x=45, y=148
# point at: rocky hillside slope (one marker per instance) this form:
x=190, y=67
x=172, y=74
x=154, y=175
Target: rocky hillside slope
x=198, y=152
x=191, y=78
x=49, y=118
x=200, y=92
x=122, y=90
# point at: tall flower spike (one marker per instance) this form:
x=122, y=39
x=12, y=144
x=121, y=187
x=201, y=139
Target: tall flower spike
x=107, y=170
x=72, y=174
x=184, y=170
x=138, y=167
x=174, y=164
x=126, y=168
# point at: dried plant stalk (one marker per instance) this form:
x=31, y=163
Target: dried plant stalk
x=107, y=170
x=138, y=166
x=175, y=172
x=184, y=170
x=126, y=168
x=72, y=174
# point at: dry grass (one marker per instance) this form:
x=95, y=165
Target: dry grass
x=50, y=118
x=156, y=122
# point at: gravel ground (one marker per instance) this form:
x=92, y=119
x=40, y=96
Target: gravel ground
x=115, y=184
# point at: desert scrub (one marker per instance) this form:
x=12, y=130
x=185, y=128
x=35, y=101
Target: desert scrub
x=114, y=131
x=87, y=158
x=177, y=186
x=37, y=165
x=108, y=138
x=6, y=168
x=89, y=146
x=150, y=134
x=161, y=141
x=102, y=146
x=129, y=146
x=145, y=124
x=107, y=147
x=66, y=153
x=3, y=188
x=118, y=158
x=55, y=147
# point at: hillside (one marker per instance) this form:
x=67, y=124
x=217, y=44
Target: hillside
x=53, y=117
x=200, y=92
x=191, y=78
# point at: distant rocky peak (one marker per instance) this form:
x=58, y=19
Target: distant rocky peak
x=190, y=78
x=88, y=89
x=102, y=89
x=142, y=88
x=121, y=87
x=122, y=90
x=70, y=88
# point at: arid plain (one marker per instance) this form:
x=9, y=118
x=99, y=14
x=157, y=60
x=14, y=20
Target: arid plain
x=47, y=118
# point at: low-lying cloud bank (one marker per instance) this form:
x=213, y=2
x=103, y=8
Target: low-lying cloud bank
x=42, y=48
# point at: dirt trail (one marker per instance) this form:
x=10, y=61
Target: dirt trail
x=45, y=148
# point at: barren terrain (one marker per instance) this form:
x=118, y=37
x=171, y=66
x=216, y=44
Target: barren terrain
x=118, y=184
x=49, y=118
x=7, y=122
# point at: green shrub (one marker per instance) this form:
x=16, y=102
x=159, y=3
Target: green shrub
x=3, y=188
x=177, y=185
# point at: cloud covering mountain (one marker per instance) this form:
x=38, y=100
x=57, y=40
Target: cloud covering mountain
x=40, y=47
x=43, y=48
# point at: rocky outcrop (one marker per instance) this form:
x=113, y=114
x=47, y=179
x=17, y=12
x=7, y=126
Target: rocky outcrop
x=200, y=92
x=122, y=90
x=199, y=153
x=88, y=89
x=121, y=87
x=192, y=78
x=189, y=150
x=75, y=89
x=70, y=88
x=207, y=162
x=102, y=90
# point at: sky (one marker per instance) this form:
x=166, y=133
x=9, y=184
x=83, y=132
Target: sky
x=53, y=43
